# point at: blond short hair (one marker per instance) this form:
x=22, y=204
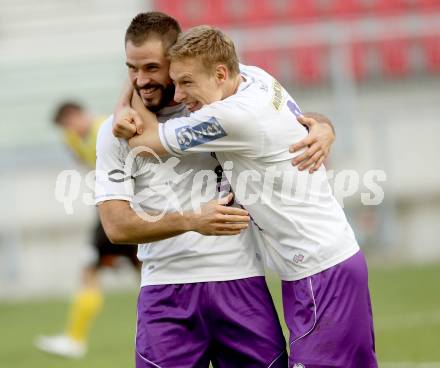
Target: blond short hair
x=209, y=45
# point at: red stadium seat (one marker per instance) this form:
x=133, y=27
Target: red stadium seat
x=265, y=59
x=431, y=46
x=410, y=5
x=174, y=8
x=428, y=5
x=394, y=55
x=220, y=12
x=250, y=12
x=345, y=8
x=385, y=7
x=194, y=12
x=310, y=64
x=359, y=65
x=213, y=12
x=301, y=10
x=369, y=7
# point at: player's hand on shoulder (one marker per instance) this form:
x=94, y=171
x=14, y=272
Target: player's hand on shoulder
x=216, y=218
x=127, y=123
x=317, y=143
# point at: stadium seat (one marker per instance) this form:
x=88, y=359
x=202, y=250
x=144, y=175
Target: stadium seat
x=214, y=12
x=345, y=8
x=309, y=63
x=301, y=10
x=428, y=5
x=386, y=7
x=174, y=8
x=195, y=12
x=250, y=12
x=394, y=57
x=409, y=5
x=367, y=7
x=359, y=67
x=431, y=46
x=265, y=59
x=218, y=12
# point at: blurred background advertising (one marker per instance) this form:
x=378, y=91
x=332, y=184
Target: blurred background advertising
x=372, y=66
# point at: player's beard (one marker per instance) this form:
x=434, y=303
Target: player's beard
x=166, y=95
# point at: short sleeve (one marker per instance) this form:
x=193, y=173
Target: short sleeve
x=112, y=180
x=219, y=127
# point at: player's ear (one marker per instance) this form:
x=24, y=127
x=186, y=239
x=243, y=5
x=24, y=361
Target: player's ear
x=221, y=73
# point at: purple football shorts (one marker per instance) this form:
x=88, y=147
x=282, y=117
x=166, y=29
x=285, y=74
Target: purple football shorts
x=229, y=323
x=330, y=319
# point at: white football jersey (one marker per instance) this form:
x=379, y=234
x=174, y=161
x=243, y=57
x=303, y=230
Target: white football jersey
x=165, y=184
x=305, y=230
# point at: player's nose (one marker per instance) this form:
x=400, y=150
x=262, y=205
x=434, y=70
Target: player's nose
x=143, y=79
x=179, y=96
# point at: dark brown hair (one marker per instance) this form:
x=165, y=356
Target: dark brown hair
x=64, y=109
x=153, y=24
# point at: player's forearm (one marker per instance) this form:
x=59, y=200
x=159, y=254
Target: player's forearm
x=130, y=227
x=150, y=142
x=125, y=97
x=150, y=136
x=322, y=119
x=139, y=230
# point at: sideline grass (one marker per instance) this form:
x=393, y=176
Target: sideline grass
x=406, y=303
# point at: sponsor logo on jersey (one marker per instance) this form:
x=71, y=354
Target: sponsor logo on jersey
x=189, y=137
x=299, y=365
x=278, y=95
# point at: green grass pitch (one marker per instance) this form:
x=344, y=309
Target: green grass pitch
x=406, y=306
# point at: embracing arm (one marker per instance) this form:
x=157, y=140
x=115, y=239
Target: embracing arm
x=138, y=119
x=150, y=132
x=318, y=142
x=129, y=127
x=320, y=119
x=124, y=226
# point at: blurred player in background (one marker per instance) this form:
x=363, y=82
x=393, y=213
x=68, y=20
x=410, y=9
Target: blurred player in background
x=80, y=130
